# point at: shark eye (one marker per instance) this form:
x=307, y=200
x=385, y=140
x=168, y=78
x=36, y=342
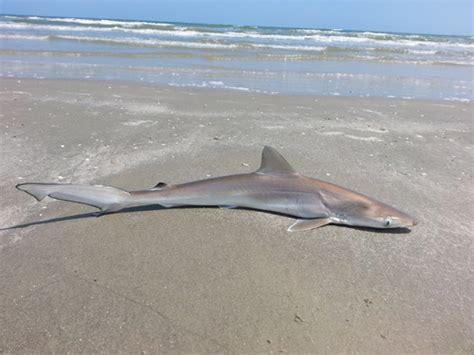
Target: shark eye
x=388, y=222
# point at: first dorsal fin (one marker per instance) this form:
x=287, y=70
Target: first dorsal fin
x=274, y=163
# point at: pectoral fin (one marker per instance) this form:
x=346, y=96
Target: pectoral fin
x=308, y=224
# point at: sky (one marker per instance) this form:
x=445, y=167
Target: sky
x=414, y=16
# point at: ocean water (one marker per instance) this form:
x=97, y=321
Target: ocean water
x=295, y=61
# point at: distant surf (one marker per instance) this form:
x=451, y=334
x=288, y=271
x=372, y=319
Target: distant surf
x=283, y=59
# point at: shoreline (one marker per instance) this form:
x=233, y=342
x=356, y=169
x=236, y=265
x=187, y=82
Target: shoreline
x=230, y=90
x=210, y=279
x=325, y=83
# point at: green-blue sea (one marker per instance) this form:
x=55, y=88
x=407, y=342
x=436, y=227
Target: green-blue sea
x=273, y=60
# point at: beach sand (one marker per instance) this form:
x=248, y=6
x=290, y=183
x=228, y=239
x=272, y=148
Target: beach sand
x=214, y=280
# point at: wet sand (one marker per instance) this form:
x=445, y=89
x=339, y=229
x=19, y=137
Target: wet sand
x=231, y=280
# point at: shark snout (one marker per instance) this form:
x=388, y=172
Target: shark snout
x=407, y=221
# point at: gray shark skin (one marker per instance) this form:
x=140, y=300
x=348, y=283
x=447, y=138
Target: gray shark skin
x=275, y=187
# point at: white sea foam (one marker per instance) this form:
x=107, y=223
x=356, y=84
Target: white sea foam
x=211, y=84
x=23, y=37
x=315, y=37
x=135, y=41
x=36, y=27
x=422, y=52
x=314, y=31
x=289, y=47
x=457, y=99
x=177, y=32
x=375, y=34
x=94, y=21
x=145, y=42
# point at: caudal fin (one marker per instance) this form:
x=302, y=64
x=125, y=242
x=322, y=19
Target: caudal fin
x=38, y=191
x=106, y=198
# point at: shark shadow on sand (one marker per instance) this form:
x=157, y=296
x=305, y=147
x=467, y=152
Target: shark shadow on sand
x=158, y=208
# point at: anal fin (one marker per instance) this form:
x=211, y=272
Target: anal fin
x=308, y=224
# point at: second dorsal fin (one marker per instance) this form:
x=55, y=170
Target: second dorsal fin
x=274, y=163
x=160, y=186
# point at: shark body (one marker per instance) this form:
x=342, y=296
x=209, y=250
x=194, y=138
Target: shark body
x=275, y=187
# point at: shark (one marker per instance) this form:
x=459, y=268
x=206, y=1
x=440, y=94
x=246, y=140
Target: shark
x=276, y=187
